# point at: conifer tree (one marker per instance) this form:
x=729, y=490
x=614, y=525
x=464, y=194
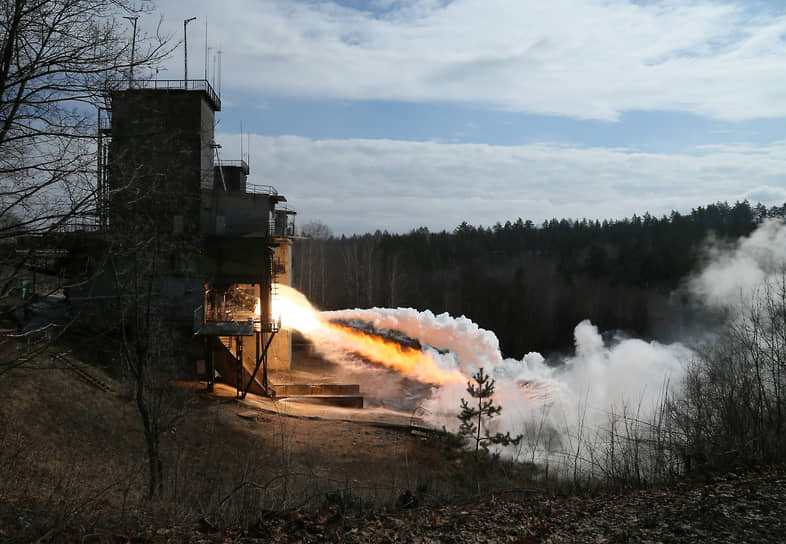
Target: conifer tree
x=473, y=417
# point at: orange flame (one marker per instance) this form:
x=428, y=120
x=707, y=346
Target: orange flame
x=297, y=313
x=406, y=360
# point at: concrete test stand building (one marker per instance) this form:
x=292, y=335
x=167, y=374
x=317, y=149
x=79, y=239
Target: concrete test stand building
x=158, y=166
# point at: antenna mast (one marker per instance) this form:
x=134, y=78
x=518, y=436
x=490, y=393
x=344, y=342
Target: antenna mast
x=220, y=52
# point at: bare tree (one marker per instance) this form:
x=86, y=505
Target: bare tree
x=733, y=407
x=310, y=257
x=316, y=230
x=148, y=347
x=57, y=60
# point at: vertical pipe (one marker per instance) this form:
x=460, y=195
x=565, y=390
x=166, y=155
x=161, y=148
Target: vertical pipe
x=257, y=335
x=133, y=46
x=264, y=372
x=209, y=362
x=239, y=354
x=266, y=316
x=185, y=50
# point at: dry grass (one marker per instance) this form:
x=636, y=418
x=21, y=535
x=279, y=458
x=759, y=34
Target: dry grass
x=73, y=454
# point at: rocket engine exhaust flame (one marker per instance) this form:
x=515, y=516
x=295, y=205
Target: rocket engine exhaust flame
x=297, y=313
x=444, y=351
x=557, y=403
x=409, y=361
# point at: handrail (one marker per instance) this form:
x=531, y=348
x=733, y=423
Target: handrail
x=281, y=230
x=261, y=189
x=286, y=209
x=231, y=162
x=79, y=225
x=178, y=84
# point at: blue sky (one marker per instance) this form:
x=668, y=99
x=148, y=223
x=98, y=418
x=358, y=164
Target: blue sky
x=395, y=114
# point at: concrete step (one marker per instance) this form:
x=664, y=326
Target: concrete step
x=344, y=401
x=309, y=389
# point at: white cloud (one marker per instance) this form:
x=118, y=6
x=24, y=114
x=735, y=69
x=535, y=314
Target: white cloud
x=576, y=58
x=767, y=193
x=358, y=186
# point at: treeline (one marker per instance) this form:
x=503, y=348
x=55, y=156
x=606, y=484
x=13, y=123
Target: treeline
x=529, y=283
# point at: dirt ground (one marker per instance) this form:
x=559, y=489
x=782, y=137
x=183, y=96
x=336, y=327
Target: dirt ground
x=374, y=454
x=74, y=469
x=73, y=452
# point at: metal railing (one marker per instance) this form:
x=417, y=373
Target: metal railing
x=180, y=84
x=261, y=189
x=279, y=229
x=79, y=224
x=214, y=315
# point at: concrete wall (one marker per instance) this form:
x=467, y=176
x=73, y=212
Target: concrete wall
x=207, y=153
x=234, y=177
x=227, y=214
x=235, y=259
x=162, y=177
x=280, y=354
x=159, y=158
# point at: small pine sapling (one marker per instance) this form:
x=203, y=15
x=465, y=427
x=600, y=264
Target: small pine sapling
x=472, y=417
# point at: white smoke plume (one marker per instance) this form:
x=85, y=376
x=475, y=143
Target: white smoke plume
x=472, y=346
x=561, y=407
x=738, y=273
x=586, y=386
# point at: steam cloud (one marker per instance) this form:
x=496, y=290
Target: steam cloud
x=739, y=272
x=578, y=396
x=629, y=372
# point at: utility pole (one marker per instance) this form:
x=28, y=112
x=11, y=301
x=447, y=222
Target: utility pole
x=185, y=49
x=133, y=45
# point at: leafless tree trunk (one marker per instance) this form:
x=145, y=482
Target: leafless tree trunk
x=57, y=60
x=394, y=280
x=732, y=410
x=369, y=246
x=145, y=347
x=311, y=260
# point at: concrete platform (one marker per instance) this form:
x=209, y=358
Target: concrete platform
x=344, y=401
x=300, y=389
x=346, y=395
x=379, y=417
